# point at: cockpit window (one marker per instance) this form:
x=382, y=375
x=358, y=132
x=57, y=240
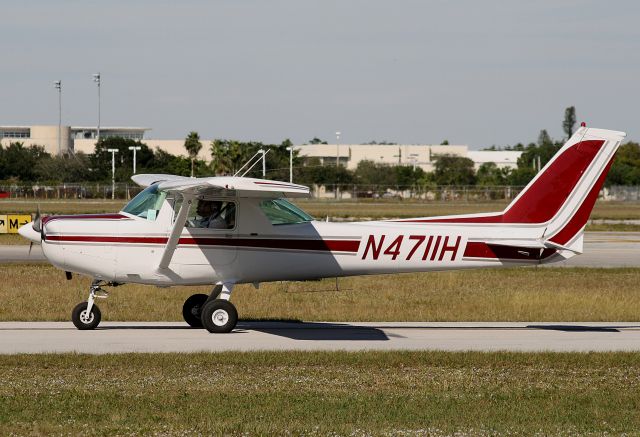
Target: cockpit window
x=147, y=203
x=283, y=212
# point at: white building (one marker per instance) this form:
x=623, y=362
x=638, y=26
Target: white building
x=502, y=158
x=419, y=155
x=83, y=139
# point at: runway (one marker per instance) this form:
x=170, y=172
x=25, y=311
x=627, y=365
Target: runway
x=601, y=249
x=120, y=337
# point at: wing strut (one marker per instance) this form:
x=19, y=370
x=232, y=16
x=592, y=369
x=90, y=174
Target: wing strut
x=176, y=231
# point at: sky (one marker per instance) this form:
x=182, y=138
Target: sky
x=477, y=73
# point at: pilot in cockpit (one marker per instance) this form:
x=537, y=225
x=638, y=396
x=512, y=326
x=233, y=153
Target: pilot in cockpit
x=210, y=215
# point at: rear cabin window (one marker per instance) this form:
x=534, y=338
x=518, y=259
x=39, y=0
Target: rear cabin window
x=283, y=212
x=147, y=203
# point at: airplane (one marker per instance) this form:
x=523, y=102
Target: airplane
x=163, y=236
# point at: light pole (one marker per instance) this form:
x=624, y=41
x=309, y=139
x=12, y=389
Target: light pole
x=58, y=85
x=96, y=79
x=134, y=148
x=290, y=149
x=337, y=159
x=113, y=172
x=264, y=163
x=337, y=148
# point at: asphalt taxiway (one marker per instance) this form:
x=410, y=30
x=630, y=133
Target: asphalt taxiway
x=120, y=337
x=601, y=249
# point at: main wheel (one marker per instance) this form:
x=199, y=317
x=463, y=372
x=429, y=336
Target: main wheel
x=192, y=309
x=219, y=316
x=82, y=320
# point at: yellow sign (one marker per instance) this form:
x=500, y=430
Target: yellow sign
x=3, y=224
x=14, y=221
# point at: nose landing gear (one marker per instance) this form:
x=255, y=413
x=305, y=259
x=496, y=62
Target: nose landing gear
x=86, y=315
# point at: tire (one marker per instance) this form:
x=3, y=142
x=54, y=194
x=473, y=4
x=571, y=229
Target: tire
x=79, y=319
x=192, y=309
x=219, y=316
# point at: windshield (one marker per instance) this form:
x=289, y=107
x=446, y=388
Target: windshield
x=283, y=212
x=147, y=203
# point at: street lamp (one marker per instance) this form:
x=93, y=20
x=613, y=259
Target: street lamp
x=337, y=148
x=290, y=149
x=134, y=148
x=264, y=163
x=96, y=79
x=58, y=85
x=113, y=172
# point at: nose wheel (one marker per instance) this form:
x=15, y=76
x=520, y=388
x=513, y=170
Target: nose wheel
x=84, y=319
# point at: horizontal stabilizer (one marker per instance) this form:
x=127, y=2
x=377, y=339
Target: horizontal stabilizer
x=532, y=244
x=529, y=244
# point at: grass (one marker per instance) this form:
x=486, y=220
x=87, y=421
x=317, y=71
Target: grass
x=12, y=240
x=40, y=292
x=321, y=393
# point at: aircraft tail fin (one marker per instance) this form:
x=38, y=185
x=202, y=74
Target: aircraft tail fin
x=568, y=178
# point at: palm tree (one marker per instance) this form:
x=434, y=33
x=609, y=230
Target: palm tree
x=193, y=145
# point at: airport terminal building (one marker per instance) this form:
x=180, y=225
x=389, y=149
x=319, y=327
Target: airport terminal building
x=71, y=139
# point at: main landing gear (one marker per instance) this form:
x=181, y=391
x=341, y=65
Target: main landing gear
x=214, y=312
x=86, y=315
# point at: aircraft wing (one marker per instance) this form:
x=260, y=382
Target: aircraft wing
x=244, y=187
x=144, y=180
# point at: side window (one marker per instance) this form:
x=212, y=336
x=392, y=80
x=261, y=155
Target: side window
x=283, y=212
x=210, y=214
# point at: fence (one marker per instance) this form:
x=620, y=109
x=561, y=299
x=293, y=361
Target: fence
x=442, y=193
x=69, y=191
x=125, y=191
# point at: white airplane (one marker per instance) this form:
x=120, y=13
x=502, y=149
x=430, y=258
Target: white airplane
x=223, y=231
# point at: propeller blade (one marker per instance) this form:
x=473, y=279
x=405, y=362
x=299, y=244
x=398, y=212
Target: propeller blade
x=37, y=221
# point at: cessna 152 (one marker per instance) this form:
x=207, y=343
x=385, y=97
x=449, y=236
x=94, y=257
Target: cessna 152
x=225, y=231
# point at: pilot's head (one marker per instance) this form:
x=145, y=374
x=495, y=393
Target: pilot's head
x=208, y=207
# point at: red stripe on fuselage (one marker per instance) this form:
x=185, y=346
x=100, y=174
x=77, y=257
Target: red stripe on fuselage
x=351, y=246
x=276, y=184
x=49, y=218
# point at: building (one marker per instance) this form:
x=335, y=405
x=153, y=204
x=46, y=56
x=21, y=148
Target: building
x=83, y=139
x=70, y=136
x=418, y=155
x=502, y=158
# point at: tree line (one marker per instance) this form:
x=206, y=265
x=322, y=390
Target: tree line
x=32, y=164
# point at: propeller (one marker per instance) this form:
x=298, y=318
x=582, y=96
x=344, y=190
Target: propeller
x=37, y=226
x=37, y=221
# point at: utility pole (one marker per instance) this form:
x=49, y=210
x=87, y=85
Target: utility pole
x=337, y=148
x=58, y=85
x=337, y=160
x=290, y=149
x=96, y=79
x=264, y=163
x=134, y=148
x=113, y=172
